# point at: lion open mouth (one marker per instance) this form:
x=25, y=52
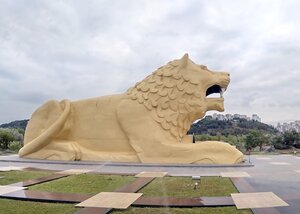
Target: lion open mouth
x=213, y=102
x=215, y=89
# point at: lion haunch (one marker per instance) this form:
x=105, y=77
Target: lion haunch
x=146, y=124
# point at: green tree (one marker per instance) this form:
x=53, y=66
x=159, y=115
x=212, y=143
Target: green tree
x=5, y=138
x=263, y=140
x=291, y=137
x=277, y=142
x=255, y=138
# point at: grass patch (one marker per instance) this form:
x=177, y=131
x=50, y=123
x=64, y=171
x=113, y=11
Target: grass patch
x=94, y=183
x=17, y=176
x=204, y=210
x=28, y=207
x=84, y=183
x=184, y=187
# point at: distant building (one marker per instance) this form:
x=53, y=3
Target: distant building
x=289, y=126
x=236, y=116
x=255, y=117
x=218, y=116
x=222, y=117
x=229, y=116
x=209, y=117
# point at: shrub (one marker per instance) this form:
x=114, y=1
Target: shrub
x=5, y=138
x=297, y=145
x=281, y=146
x=14, y=146
x=291, y=137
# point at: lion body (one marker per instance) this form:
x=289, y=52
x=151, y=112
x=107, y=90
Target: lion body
x=147, y=124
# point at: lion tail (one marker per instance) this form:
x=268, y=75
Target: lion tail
x=46, y=122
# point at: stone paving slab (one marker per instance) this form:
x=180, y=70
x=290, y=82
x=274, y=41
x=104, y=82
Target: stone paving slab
x=151, y=174
x=10, y=168
x=257, y=200
x=280, y=163
x=115, y=200
x=263, y=158
x=4, y=189
x=236, y=174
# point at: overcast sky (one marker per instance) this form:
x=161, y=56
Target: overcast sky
x=80, y=49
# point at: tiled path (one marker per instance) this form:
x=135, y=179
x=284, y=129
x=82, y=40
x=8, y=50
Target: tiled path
x=282, y=179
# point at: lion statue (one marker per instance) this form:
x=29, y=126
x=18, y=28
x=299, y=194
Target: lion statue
x=148, y=124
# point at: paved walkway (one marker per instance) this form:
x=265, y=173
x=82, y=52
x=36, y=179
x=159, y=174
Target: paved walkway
x=125, y=168
x=279, y=174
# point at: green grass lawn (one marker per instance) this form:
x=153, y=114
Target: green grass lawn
x=184, y=187
x=95, y=183
x=204, y=210
x=85, y=183
x=27, y=207
x=17, y=176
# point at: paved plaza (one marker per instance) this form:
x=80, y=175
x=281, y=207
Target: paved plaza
x=278, y=174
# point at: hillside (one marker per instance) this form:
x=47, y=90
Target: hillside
x=229, y=127
x=18, y=124
x=204, y=126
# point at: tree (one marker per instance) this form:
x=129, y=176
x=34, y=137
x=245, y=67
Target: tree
x=255, y=138
x=286, y=140
x=263, y=140
x=291, y=137
x=5, y=138
x=251, y=141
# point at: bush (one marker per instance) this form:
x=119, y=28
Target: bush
x=281, y=146
x=5, y=138
x=297, y=145
x=14, y=146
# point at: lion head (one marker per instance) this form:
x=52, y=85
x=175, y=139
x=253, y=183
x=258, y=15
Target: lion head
x=176, y=94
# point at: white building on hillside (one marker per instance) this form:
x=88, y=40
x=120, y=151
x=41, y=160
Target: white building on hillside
x=289, y=126
x=255, y=117
x=216, y=116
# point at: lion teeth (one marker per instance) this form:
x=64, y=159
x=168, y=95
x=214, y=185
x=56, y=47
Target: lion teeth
x=222, y=91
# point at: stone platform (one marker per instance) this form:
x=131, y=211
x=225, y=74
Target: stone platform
x=118, y=167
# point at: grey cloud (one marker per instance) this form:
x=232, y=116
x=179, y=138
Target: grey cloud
x=74, y=49
x=7, y=75
x=31, y=97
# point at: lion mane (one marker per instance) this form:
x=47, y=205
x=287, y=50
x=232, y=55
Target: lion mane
x=171, y=95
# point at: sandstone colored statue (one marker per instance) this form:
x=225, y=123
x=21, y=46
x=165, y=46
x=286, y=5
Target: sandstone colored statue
x=147, y=124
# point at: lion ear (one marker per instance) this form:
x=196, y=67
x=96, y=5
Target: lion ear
x=184, y=60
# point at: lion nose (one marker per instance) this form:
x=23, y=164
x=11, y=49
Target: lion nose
x=225, y=73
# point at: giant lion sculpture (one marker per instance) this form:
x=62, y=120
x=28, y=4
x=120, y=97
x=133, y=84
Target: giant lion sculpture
x=147, y=124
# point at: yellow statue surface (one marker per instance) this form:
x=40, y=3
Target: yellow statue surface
x=147, y=124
